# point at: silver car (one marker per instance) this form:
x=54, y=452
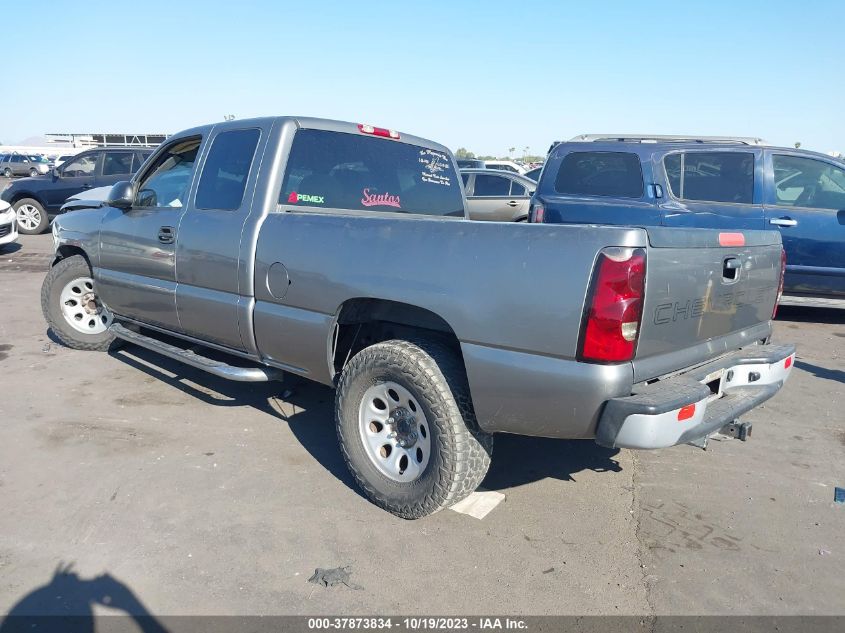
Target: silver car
x=23, y=165
x=497, y=195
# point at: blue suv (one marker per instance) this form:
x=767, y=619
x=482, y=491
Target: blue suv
x=707, y=182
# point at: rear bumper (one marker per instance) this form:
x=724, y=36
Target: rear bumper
x=683, y=409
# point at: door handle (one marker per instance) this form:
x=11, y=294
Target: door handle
x=787, y=221
x=165, y=235
x=513, y=203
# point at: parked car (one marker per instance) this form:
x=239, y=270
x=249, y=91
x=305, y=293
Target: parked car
x=505, y=165
x=60, y=160
x=23, y=165
x=469, y=163
x=355, y=267
x=497, y=195
x=8, y=226
x=534, y=174
x=719, y=183
x=38, y=200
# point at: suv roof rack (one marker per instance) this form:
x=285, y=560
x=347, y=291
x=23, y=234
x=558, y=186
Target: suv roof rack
x=661, y=138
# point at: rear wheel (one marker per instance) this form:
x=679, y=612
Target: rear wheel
x=72, y=309
x=407, y=429
x=31, y=217
x=7, y=173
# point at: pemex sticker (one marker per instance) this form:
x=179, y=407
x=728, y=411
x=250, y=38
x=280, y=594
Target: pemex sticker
x=294, y=198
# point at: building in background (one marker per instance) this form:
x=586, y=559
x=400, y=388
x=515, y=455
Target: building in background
x=57, y=144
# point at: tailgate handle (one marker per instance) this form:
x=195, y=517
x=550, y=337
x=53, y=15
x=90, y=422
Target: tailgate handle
x=731, y=267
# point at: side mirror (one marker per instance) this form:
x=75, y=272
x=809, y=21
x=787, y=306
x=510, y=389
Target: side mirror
x=122, y=195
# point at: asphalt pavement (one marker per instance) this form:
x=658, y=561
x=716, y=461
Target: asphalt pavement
x=200, y=496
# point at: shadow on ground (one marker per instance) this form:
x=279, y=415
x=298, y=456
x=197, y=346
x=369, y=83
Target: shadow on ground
x=806, y=314
x=837, y=375
x=519, y=460
x=66, y=603
x=516, y=460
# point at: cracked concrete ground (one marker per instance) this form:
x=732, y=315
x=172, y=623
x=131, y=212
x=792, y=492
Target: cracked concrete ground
x=206, y=497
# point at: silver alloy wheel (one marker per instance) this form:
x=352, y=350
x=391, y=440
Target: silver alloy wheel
x=394, y=431
x=28, y=217
x=7, y=172
x=33, y=173
x=81, y=308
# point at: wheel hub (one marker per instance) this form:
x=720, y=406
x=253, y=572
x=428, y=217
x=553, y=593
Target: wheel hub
x=90, y=303
x=403, y=426
x=394, y=431
x=81, y=309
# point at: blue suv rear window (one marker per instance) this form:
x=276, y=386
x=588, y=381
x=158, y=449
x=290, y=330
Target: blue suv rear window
x=611, y=174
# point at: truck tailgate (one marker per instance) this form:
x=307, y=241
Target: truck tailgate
x=708, y=292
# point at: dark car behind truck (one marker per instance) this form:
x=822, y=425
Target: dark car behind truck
x=342, y=253
x=720, y=183
x=39, y=199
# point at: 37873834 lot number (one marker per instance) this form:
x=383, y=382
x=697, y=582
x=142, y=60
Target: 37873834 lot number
x=409, y=624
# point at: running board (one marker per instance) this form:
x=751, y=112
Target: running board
x=215, y=367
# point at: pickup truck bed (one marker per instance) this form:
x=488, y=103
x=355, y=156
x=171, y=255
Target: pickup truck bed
x=437, y=332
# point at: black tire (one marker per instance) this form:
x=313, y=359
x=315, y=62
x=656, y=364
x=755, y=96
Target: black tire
x=7, y=173
x=44, y=220
x=460, y=452
x=33, y=173
x=59, y=276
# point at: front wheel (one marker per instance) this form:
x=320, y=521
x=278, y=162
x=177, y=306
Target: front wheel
x=31, y=217
x=33, y=172
x=407, y=428
x=72, y=309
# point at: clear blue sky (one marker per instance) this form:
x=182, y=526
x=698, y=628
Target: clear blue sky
x=483, y=75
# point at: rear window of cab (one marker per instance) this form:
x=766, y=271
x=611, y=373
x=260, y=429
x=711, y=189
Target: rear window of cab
x=336, y=170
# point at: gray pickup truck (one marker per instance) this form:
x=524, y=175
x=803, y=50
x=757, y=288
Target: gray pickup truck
x=341, y=253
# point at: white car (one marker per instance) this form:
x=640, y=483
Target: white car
x=505, y=165
x=8, y=226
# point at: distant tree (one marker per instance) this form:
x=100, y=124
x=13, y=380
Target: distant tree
x=511, y=150
x=797, y=144
x=487, y=158
x=463, y=152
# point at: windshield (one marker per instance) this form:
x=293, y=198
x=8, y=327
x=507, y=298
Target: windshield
x=37, y=159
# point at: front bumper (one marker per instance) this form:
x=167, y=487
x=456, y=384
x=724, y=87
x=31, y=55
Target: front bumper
x=8, y=228
x=696, y=404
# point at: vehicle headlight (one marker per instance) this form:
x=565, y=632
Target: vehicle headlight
x=55, y=231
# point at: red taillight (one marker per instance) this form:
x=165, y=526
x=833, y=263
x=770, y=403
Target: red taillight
x=538, y=212
x=377, y=131
x=780, y=284
x=787, y=362
x=615, y=306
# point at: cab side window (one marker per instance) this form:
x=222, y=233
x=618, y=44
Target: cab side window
x=80, y=167
x=167, y=180
x=805, y=182
x=226, y=170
